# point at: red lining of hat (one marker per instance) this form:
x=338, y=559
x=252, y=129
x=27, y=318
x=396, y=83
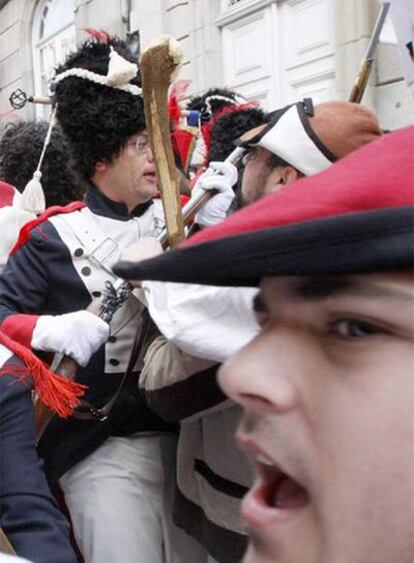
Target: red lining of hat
x=380, y=175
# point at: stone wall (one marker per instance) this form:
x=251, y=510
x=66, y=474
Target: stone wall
x=198, y=26
x=15, y=55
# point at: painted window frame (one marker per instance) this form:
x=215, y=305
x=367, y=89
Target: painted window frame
x=55, y=45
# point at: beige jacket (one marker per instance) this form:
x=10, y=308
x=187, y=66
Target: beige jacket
x=212, y=474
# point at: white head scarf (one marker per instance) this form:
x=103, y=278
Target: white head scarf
x=12, y=219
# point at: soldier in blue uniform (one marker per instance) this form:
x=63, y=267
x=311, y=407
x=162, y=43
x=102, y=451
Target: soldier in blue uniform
x=111, y=472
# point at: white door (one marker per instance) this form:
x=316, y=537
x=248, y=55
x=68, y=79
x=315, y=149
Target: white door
x=279, y=51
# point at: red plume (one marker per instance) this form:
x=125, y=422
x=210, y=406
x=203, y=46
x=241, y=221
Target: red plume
x=232, y=109
x=100, y=35
x=177, y=93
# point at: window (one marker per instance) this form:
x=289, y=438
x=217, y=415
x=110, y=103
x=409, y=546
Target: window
x=53, y=37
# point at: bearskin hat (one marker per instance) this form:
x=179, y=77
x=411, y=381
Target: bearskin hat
x=20, y=149
x=97, y=119
x=228, y=126
x=213, y=101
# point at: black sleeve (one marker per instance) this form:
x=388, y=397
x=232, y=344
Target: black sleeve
x=28, y=514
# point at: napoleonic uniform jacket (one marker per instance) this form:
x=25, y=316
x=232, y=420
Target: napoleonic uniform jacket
x=61, y=264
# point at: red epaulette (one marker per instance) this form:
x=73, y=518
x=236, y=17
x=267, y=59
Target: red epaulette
x=25, y=231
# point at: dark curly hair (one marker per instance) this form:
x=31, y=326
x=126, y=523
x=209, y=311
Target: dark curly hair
x=20, y=148
x=97, y=119
x=212, y=101
x=228, y=127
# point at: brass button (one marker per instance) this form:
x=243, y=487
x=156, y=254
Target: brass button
x=86, y=271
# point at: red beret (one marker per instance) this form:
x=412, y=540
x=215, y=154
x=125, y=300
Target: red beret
x=355, y=217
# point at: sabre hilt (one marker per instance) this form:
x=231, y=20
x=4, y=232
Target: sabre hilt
x=115, y=294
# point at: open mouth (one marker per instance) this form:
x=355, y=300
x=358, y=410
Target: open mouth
x=151, y=176
x=275, y=497
x=278, y=489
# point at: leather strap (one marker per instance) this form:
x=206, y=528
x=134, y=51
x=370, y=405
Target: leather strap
x=145, y=335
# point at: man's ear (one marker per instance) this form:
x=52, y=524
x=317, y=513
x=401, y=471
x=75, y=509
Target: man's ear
x=288, y=175
x=101, y=166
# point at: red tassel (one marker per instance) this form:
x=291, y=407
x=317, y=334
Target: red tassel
x=59, y=394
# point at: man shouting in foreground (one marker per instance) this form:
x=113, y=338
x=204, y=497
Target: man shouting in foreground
x=326, y=387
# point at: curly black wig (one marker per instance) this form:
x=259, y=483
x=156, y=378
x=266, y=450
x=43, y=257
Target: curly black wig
x=212, y=101
x=20, y=149
x=97, y=119
x=227, y=128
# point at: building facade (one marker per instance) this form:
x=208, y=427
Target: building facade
x=274, y=51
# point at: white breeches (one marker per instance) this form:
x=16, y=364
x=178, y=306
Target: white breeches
x=119, y=499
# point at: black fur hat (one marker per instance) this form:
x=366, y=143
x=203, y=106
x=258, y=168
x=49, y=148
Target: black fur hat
x=97, y=119
x=213, y=101
x=231, y=125
x=20, y=149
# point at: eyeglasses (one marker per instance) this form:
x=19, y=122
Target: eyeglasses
x=141, y=144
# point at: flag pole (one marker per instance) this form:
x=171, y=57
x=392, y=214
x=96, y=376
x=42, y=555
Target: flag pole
x=360, y=85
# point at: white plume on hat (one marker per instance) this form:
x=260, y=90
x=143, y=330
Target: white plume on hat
x=120, y=71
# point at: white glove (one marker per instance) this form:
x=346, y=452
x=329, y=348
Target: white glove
x=78, y=335
x=220, y=176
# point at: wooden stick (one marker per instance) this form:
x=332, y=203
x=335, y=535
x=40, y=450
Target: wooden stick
x=159, y=64
x=5, y=545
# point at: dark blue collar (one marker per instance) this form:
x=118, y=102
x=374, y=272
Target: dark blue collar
x=100, y=204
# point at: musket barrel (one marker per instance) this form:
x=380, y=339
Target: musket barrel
x=361, y=82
